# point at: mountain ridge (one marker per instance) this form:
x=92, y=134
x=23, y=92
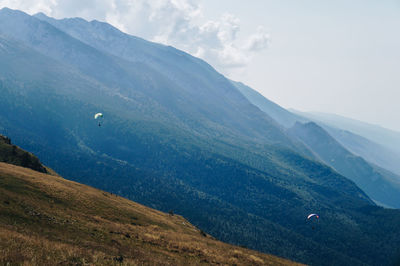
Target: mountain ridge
x=134, y=52
x=388, y=138
x=356, y=168
x=364, y=144
x=345, y=143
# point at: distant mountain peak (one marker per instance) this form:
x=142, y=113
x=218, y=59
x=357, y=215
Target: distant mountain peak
x=10, y=11
x=6, y=9
x=40, y=15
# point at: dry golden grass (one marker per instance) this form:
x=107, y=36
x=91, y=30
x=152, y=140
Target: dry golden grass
x=47, y=220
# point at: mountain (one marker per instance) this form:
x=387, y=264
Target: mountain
x=376, y=184
x=369, y=150
x=374, y=153
x=284, y=117
x=178, y=136
x=47, y=219
x=130, y=79
x=390, y=139
x=376, y=144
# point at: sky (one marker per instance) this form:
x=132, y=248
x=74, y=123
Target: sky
x=339, y=56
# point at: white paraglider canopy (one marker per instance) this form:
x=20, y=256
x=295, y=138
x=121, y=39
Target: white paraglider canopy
x=313, y=214
x=98, y=115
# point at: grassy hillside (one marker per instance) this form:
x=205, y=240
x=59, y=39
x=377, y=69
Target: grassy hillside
x=47, y=220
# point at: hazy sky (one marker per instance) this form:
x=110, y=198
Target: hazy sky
x=339, y=56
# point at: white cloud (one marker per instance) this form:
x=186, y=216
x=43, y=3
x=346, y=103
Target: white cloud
x=179, y=23
x=30, y=7
x=257, y=41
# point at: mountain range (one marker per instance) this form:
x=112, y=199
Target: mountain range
x=376, y=144
x=388, y=138
x=177, y=135
x=370, y=165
